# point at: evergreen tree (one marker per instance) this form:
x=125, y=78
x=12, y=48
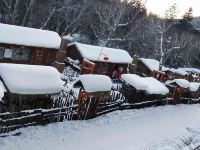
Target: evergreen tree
x=171, y=13
x=188, y=16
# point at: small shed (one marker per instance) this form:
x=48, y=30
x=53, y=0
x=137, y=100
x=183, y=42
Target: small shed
x=28, y=86
x=93, y=89
x=149, y=68
x=99, y=60
x=24, y=45
x=137, y=89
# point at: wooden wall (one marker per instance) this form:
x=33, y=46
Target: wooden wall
x=142, y=69
x=36, y=56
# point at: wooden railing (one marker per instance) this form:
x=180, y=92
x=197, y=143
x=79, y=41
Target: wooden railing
x=65, y=108
x=16, y=120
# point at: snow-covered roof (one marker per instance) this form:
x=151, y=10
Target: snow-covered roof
x=177, y=71
x=2, y=90
x=165, y=68
x=95, y=83
x=152, y=64
x=155, y=86
x=148, y=84
x=181, y=72
x=98, y=53
x=135, y=81
x=30, y=79
x=194, y=70
x=172, y=70
x=181, y=82
x=18, y=35
x=194, y=86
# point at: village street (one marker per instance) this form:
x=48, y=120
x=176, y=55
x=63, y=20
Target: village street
x=157, y=128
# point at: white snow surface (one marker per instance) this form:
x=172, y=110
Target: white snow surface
x=148, y=84
x=181, y=82
x=194, y=70
x=95, y=83
x=155, y=86
x=134, y=80
x=2, y=90
x=181, y=72
x=152, y=64
x=31, y=79
x=194, y=86
x=97, y=53
x=156, y=128
x=11, y=34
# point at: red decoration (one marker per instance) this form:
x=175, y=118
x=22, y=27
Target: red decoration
x=106, y=58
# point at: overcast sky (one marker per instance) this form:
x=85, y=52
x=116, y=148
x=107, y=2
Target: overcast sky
x=160, y=6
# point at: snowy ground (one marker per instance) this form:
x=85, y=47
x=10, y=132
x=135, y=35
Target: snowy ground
x=159, y=128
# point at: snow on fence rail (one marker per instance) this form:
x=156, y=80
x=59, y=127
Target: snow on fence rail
x=16, y=120
x=13, y=121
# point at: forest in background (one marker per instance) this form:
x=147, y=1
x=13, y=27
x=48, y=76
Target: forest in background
x=112, y=23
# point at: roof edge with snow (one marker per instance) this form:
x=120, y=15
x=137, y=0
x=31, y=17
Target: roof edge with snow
x=30, y=79
x=95, y=83
x=98, y=53
x=18, y=35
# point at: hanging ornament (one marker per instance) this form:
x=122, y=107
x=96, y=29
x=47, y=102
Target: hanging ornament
x=105, y=58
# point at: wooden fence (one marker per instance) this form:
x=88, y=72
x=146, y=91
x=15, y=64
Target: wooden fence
x=13, y=121
x=68, y=110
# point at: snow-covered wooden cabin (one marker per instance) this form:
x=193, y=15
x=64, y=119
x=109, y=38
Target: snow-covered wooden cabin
x=193, y=72
x=184, y=88
x=178, y=87
x=24, y=45
x=138, y=89
x=93, y=89
x=27, y=86
x=149, y=68
x=99, y=60
x=176, y=73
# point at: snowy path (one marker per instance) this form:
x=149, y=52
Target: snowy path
x=152, y=128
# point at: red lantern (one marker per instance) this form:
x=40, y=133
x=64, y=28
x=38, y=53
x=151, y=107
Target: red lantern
x=106, y=58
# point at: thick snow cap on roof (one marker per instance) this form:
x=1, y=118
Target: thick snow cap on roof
x=165, y=68
x=148, y=84
x=30, y=79
x=193, y=70
x=18, y=35
x=152, y=64
x=194, y=86
x=155, y=86
x=2, y=90
x=95, y=83
x=177, y=71
x=98, y=53
x=181, y=82
x=181, y=72
x=135, y=81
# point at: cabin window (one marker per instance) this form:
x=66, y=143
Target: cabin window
x=20, y=54
x=8, y=53
x=39, y=53
x=2, y=49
